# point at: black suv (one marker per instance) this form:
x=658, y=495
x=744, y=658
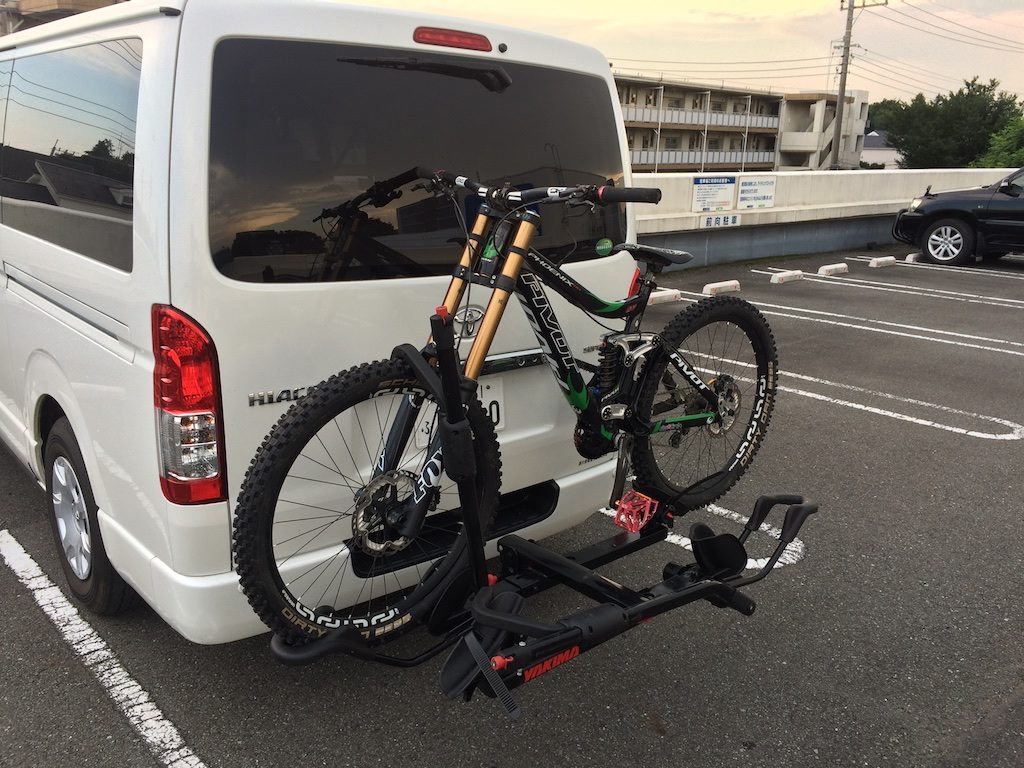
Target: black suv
x=953, y=227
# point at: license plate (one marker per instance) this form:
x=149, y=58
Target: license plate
x=492, y=397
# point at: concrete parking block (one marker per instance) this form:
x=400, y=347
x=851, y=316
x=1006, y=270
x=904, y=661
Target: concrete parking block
x=664, y=296
x=913, y=258
x=726, y=286
x=882, y=261
x=833, y=269
x=788, y=276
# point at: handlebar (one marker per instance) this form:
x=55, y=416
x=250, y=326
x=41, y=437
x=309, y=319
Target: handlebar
x=505, y=196
x=383, y=192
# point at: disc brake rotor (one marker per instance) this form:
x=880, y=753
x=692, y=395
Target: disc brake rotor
x=729, y=400
x=369, y=520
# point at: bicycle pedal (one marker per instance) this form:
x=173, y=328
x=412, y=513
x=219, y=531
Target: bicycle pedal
x=634, y=511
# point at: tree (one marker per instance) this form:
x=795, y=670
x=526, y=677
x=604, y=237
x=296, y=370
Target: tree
x=1006, y=149
x=952, y=130
x=104, y=148
x=880, y=114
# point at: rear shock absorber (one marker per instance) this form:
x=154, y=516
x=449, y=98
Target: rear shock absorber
x=609, y=357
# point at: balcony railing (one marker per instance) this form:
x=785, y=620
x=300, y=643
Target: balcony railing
x=696, y=117
x=672, y=157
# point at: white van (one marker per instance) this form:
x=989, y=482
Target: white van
x=161, y=167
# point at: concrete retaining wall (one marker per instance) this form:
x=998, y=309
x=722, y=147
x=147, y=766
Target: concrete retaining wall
x=814, y=211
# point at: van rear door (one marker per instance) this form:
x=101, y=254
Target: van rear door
x=291, y=125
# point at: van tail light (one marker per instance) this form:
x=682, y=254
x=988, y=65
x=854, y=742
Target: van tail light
x=634, y=286
x=186, y=392
x=451, y=38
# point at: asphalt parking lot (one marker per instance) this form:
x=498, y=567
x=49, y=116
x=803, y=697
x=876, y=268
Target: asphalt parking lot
x=893, y=638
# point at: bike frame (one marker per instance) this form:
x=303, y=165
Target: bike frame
x=499, y=265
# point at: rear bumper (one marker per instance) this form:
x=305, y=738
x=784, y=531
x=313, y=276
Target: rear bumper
x=907, y=226
x=212, y=609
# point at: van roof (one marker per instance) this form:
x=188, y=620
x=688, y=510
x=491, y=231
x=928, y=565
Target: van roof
x=565, y=50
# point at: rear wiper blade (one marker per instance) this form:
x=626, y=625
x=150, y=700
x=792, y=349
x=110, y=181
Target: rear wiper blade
x=493, y=77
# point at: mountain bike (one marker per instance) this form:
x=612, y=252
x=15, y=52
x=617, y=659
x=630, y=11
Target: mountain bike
x=365, y=512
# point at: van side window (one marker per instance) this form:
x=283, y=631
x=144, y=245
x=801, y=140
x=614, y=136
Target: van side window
x=5, y=85
x=68, y=156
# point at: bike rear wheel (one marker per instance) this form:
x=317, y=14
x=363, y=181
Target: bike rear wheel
x=691, y=463
x=314, y=545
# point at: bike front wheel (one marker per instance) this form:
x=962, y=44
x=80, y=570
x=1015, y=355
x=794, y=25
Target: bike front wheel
x=687, y=458
x=315, y=532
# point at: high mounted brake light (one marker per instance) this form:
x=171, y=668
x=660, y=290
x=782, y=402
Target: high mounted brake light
x=451, y=38
x=186, y=393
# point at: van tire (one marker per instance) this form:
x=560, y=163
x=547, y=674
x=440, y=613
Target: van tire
x=92, y=579
x=277, y=601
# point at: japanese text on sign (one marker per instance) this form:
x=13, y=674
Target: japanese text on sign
x=714, y=193
x=719, y=220
x=756, y=192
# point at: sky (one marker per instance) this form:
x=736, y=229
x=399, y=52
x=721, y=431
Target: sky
x=905, y=48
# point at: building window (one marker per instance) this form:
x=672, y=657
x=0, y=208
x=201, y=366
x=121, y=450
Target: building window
x=735, y=143
x=714, y=144
x=68, y=154
x=671, y=142
x=675, y=103
x=694, y=141
x=718, y=106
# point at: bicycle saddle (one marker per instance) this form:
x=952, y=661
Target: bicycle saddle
x=657, y=257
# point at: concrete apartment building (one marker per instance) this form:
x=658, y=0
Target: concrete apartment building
x=676, y=126
x=22, y=14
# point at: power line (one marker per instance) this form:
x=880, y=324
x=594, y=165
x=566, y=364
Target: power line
x=936, y=34
x=909, y=79
x=1012, y=45
x=958, y=80
x=893, y=79
x=121, y=56
x=73, y=96
x=887, y=85
x=963, y=26
x=72, y=107
x=705, y=61
x=766, y=77
x=106, y=131
x=816, y=68
x=972, y=15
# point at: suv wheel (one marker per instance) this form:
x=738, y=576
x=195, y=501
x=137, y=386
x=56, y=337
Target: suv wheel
x=948, y=241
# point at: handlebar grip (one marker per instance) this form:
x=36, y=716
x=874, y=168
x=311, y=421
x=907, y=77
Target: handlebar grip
x=628, y=194
x=740, y=602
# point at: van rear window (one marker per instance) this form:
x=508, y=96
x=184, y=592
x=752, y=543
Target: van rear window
x=297, y=127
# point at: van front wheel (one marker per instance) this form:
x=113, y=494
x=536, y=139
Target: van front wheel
x=76, y=530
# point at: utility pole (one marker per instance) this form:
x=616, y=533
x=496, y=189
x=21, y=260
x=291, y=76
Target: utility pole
x=851, y=6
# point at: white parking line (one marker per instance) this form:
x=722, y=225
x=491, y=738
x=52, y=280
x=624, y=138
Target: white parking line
x=1016, y=431
x=818, y=316
x=910, y=290
x=161, y=737
x=794, y=552
x=969, y=270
